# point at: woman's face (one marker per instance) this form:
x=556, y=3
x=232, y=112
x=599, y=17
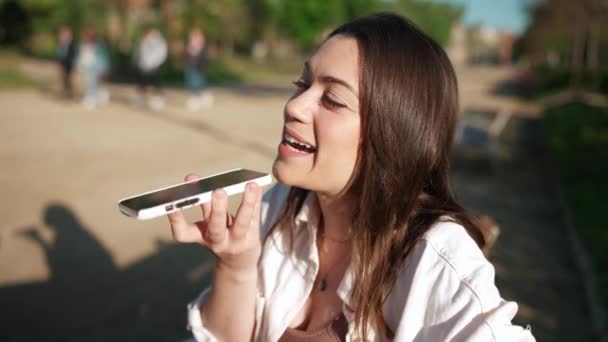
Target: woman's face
x=322, y=130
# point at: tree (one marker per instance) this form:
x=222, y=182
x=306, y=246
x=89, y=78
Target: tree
x=571, y=28
x=304, y=21
x=14, y=24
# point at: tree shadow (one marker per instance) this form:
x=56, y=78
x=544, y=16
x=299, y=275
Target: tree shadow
x=521, y=85
x=88, y=298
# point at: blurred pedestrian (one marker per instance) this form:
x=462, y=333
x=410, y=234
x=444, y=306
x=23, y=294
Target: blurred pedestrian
x=196, y=71
x=150, y=54
x=93, y=63
x=66, y=54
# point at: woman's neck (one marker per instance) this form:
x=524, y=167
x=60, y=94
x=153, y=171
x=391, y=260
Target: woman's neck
x=336, y=214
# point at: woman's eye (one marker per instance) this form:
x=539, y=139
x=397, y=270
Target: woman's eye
x=300, y=84
x=329, y=103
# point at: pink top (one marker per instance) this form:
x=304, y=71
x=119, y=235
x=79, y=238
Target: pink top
x=334, y=332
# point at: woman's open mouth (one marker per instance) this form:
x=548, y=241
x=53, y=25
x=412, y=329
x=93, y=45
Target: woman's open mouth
x=294, y=146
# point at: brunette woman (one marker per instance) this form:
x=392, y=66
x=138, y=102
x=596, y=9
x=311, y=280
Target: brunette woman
x=361, y=239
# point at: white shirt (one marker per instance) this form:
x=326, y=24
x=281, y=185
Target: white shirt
x=152, y=51
x=444, y=292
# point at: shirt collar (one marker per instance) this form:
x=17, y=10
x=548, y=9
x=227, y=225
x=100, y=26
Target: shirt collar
x=310, y=211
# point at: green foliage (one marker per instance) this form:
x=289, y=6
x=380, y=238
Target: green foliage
x=305, y=21
x=577, y=136
x=228, y=21
x=358, y=8
x=49, y=15
x=214, y=17
x=548, y=81
x=574, y=29
x=436, y=19
x=229, y=25
x=10, y=76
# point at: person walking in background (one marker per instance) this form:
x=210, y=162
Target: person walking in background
x=93, y=63
x=150, y=54
x=66, y=53
x=196, y=71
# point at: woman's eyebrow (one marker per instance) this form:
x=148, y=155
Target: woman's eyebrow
x=331, y=79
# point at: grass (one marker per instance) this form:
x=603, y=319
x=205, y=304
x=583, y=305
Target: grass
x=237, y=69
x=265, y=71
x=578, y=139
x=10, y=76
x=223, y=70
x=548, y=81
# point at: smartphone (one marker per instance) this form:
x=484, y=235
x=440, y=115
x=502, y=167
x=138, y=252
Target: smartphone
x=185, y=195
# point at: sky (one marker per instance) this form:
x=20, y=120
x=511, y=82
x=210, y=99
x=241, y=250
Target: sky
x=509, y=15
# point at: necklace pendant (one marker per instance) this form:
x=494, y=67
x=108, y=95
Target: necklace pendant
x=322, y=284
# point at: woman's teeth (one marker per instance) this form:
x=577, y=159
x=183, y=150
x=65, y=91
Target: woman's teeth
x=293, y=148
x=296, y=145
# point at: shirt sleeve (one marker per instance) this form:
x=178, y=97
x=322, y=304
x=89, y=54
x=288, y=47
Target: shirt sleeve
x=195, y=321
x=271, y=207
x=447, y=293
x=471, y=309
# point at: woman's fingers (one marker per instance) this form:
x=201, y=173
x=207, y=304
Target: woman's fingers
x=216, y=222
x=182, y=230
x=206, y=208
x=242, y=222
x=192, y=177
x=213, y=230
x=255, y=218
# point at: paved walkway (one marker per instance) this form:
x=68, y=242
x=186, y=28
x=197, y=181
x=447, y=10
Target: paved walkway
x=73, y=268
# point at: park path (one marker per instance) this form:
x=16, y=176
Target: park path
x=71, y=267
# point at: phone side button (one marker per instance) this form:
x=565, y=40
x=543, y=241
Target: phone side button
x=189, y=202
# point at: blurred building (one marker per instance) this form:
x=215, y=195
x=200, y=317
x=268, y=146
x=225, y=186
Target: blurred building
x=457, y=48
x=488, y=45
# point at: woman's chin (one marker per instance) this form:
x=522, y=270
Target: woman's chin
x=280, y=173
x=285, y=174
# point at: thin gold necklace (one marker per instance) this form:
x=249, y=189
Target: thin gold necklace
x=322, y=235
x=322, y=285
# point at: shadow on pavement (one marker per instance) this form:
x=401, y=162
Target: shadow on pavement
x=88, y=298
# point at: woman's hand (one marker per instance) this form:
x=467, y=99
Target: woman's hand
x=235, y=241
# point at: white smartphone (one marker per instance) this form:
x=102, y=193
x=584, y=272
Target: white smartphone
x=163, y=201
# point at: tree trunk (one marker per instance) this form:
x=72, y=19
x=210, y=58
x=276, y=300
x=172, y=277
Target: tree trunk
x=594, y=44
x=578, y=52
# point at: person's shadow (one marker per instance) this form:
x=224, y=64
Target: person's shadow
x=88, y=298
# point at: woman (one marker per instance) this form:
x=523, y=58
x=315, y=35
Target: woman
x=196, y=72
x=93, y=63
x=361, y=238
x=149, y=56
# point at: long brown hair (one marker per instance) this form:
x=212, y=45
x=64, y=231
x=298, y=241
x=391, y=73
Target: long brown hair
x=409, y=106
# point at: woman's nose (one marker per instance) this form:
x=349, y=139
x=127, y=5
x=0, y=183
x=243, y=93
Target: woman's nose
x=300, y=107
